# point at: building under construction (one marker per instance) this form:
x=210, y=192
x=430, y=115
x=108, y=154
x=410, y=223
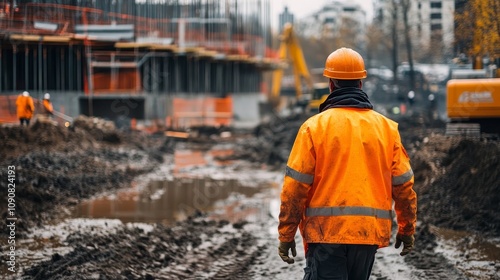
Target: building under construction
x=175, y=62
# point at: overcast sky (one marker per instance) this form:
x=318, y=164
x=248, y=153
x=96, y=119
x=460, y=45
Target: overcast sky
x=303, y=8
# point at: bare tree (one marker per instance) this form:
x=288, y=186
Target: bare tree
x=394, y=33
x=347, y=35
x=317, y=48
x=405, y=8
x=374, y=40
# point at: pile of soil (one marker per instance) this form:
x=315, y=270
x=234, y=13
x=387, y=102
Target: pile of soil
x=99, y=129
x=271, y=142
x=458, y=183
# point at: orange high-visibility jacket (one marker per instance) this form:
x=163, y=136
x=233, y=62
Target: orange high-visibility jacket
x=346, y=167
x=47, y=107
x=25, y=107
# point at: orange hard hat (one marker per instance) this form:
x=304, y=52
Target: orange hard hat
x=345, y=64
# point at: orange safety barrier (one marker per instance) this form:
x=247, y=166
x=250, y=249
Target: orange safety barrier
x=8, y=112
x=202, y=111
x=222, y=109
x=122, y=80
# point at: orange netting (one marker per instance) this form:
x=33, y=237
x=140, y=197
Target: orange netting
x=202, y=111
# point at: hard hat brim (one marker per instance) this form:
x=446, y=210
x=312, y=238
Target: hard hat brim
x=339, y=75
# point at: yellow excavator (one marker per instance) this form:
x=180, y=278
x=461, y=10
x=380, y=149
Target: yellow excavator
x=290, y=52
x=320, y=94
x=473, y=106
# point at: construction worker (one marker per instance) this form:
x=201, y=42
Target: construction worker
x=25, y=108
x=48, y=110
x=411, y=97
x=346, y=167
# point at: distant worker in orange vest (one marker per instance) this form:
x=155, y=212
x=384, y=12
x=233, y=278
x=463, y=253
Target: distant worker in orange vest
x=48, y=110
x=345, y=169
x=25, y=108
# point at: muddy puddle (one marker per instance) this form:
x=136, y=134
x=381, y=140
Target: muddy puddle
x=476, y=256
x=163, y=201
x=191, y=180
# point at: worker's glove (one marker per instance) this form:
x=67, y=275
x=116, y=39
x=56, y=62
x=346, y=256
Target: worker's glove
x=283, y=251
x=408, y=242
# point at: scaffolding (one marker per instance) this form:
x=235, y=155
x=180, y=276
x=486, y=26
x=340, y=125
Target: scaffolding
x=130, y=48
x=240, y=26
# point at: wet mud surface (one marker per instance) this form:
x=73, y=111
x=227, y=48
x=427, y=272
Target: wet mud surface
x=457, y=182
x=192, y=249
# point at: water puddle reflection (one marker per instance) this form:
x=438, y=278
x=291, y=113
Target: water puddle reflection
x=163, y=201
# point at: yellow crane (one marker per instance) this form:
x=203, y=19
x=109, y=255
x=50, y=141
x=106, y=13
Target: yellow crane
x=291, y=53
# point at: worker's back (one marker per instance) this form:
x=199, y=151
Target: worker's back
x=47, y=107
x=25, y=106
x=346, y=166
x=354, y=154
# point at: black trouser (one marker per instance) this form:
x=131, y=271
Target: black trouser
x=24, y=120
x=339, y=261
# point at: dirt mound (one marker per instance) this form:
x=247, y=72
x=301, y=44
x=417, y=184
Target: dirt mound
x=458, y=181
x=192, y=249
x=84, y=133
x=99, y=129
x=271, y=143
x=40, y=136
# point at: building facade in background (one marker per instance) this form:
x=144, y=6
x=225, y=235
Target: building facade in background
x=137, y=59
x=431, y=22
x=333, y=17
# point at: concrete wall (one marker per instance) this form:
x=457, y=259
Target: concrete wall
x=246, y=109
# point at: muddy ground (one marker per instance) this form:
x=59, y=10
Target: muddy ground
x=457, y=182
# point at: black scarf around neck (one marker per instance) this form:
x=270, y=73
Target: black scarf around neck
x=349, y=97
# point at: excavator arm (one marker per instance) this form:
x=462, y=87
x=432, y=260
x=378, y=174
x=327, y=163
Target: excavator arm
x=290, y=51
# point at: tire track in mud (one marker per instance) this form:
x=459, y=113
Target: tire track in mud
x=192, y=249
x=428, y=265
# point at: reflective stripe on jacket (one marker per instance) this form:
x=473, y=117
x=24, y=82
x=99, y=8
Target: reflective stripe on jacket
x=346, y=167
x=25, y=107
